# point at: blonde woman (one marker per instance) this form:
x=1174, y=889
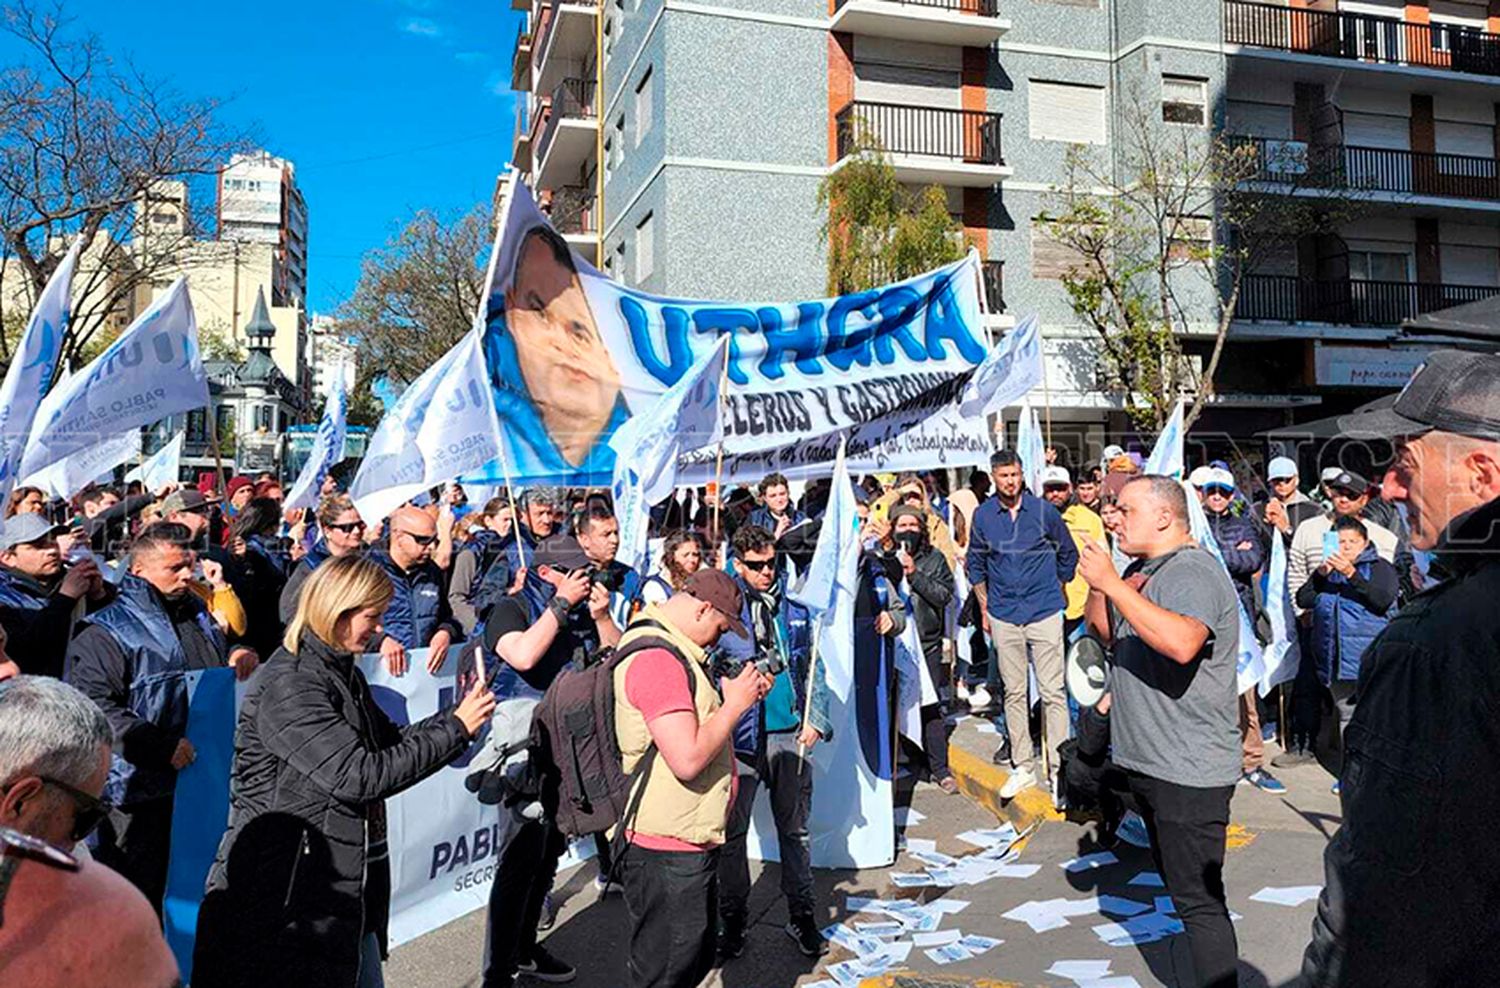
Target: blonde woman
x=300, y=890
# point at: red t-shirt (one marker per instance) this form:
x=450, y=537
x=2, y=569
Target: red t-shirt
x=656, y=684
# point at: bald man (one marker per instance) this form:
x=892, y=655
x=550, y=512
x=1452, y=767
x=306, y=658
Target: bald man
x=418, y=615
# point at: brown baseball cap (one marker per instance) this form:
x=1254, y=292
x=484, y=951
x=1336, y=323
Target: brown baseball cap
x=715, y=587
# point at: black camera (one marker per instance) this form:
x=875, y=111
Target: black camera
x=605, y=578
x=767, y=660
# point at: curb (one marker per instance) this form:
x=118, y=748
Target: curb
x=981, y=780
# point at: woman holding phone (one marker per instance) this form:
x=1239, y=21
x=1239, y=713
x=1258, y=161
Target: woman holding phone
x=300, y=890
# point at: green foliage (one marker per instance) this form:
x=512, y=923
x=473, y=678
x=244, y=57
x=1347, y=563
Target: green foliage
x=876, y=229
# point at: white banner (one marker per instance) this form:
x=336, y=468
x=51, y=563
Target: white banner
x=327, y=451
x=154, y=369
x=442, y=426
x=32, y=365
x=160, y=468
x=76, y=471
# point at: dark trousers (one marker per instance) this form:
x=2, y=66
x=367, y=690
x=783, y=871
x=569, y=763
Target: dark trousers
x=791, y=802
x=935, y=716
x=136, y=841
x=527, y=866
x=1306, y=703
x=1186, y=826
x=672, y=898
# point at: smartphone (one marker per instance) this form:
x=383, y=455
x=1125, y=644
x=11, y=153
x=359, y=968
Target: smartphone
x=1330, y=544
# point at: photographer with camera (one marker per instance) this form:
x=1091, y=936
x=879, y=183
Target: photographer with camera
x=560, y=615
x=599, y=537
x=770, y=741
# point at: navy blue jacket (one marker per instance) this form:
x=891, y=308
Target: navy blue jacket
x=1349, y=614
x=145, y=696
x=495, y=582
x=293, y=589
x=38, y=622
x=420, y=607
x=749, y=732
x=1230, y=530
x=1022, y=563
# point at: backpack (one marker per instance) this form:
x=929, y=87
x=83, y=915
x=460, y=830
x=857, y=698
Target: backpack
x=574, y=748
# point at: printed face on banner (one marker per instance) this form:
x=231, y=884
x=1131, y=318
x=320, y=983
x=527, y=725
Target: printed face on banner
x=572, y=354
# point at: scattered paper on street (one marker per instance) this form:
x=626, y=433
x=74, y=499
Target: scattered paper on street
x=911, y=880
x=906, y=816
x=880, y=928
x=1088, y=861
x=948, y=953
x=976, y=944
x=1295, y=895
x=920, y=844
x=989, y=838
x=853, y=942
x=936, y=938
x=1080, y=970
x=1150, y=879
x=948, y=906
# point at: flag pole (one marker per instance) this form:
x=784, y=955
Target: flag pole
x=1046, y=391
x=719, y=457
x=213, y=441
x=812, y=668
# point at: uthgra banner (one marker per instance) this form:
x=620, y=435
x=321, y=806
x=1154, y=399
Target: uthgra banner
x=571, y=355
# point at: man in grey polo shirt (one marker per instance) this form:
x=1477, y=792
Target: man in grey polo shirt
x=1173, y=620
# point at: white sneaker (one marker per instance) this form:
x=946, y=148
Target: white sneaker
x=979, y=698
x=1021, y=778
x=961, y=690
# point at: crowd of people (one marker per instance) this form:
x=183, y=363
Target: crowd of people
x=107, y=602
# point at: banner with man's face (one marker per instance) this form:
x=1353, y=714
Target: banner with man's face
x=572, y=354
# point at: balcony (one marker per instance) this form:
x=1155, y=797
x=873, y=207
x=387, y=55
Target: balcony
x=1361, y=37
x=520, y=66
x=975, y=23
x=928, y=145
x=1389, y=172
x=1348, y=302
x=571, y=210
x=568, y=133
x=563, y=41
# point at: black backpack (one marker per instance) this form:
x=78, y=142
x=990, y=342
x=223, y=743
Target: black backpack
x=574, y=748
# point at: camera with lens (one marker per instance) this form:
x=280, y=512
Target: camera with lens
x=605, y=578
x=767, y=660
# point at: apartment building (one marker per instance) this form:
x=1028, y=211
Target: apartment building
x=679, y=145
x=259, y=202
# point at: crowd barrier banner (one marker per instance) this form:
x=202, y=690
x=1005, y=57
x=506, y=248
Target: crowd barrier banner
x=152, y=370
x=443, y=841
x=571, y=355
x=31, y=368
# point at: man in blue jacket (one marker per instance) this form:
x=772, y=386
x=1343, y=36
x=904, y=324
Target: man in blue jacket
x=536, y=520
x=770, y=740
x=418, y=615
x=1020, y=556
x=132, y=658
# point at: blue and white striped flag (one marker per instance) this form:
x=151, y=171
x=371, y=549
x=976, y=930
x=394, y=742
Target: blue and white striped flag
x=1282, y=653
x=1011, y=370
x=1250, y=661
x=327, y=451
x=648, y=446
x=1031, y=447
x=32, y=365
x=832, y=580
x=1167, y=456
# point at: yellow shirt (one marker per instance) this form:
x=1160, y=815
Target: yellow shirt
x=1083, y=523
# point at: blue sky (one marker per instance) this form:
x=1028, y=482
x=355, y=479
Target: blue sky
x=385, y=106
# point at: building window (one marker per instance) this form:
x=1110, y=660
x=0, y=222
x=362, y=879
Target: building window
x=609, y=33
x=196, y=430
x=1193, y=237
x=619, y=141
x=264, y=417
x=1062, y=111
x=618, y=260
x=609, y=157
x=1379, y=265
x=645, y=259
x=224, y=421
x=642, y=107
x=1184, y=99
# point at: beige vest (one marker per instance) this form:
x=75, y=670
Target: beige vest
x=694, y=811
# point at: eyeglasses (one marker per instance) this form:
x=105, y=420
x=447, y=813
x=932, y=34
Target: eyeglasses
x=1278, y=481
x=421, y=540
x=758, y=565
x=1211, y=489
x=352, y=526
x=88, y=811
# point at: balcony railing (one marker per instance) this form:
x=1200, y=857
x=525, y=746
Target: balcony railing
x=984, y=8
x=1347, y=302
x=991, y=274
x=1340, y=166
x=1361, y=37
x=572, y=211
x=970, y=136
x=572, y=98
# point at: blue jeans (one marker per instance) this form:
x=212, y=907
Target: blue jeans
x=370, y=974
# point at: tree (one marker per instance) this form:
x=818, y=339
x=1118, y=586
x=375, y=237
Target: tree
x=92, y=148
x=877, y=230
x=1161, y=236
x=415, y=299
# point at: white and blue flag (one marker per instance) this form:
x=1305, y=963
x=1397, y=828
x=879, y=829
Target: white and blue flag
x=1250, y=662
x=1009, y=371
x=327, y=451
x=152, y=370
x=1031, y=448
x=1282, y=653
x=832, y=579
x=647, y=448
x=161, y=467
x=32, y=365
x=1167, y=456
x=443, y=425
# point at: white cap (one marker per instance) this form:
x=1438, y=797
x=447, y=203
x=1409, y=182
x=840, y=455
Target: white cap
x=1220, y=476
x=1112, y=451
x=1281, y=468
x=1330, y=473
x=1055, y=475
x=1200, y=476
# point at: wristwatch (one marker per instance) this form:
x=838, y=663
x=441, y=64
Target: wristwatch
x=559, y=609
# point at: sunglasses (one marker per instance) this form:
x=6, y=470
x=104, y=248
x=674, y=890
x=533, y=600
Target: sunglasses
x=354, y=526
x=421, y=540
x=1210, y=489
x=88, y=811
x=758, y=565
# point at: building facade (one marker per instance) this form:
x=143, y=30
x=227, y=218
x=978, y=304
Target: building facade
x=330, y=356
x=259, y=203
x=679, y=147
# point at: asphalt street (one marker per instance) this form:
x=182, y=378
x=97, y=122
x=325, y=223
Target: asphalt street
x=1277, y=841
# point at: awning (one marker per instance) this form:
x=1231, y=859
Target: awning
x=1472, y=321
x=1325, y=428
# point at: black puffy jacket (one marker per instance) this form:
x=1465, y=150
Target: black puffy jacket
x=289, y=897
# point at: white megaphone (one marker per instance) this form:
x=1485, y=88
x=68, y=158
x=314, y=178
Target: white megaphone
x=1088, y=671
